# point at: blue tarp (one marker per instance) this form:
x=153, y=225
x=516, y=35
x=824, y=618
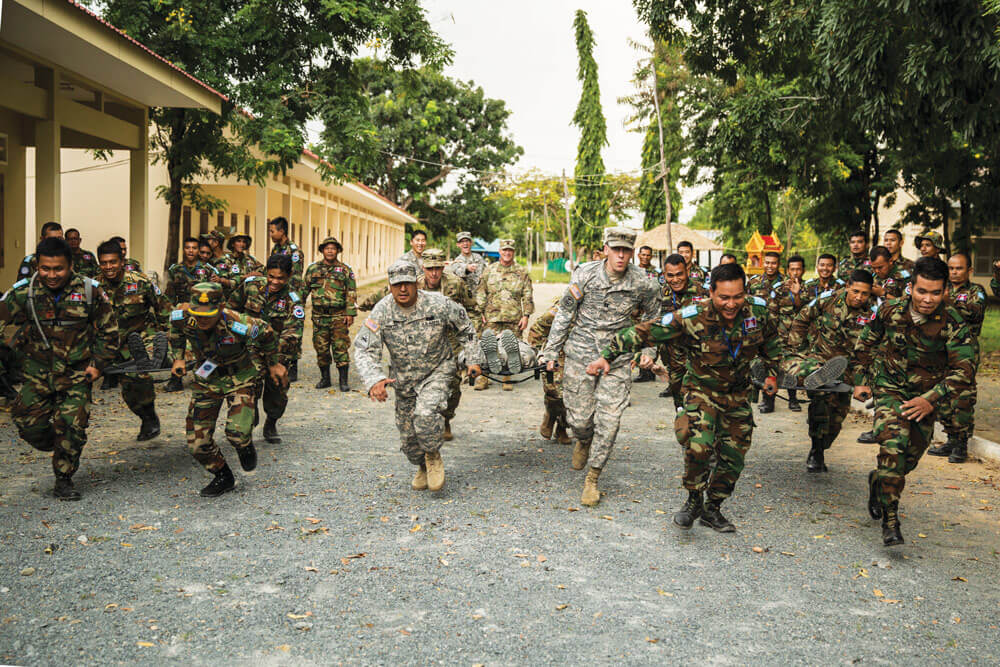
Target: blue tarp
x=491, y=250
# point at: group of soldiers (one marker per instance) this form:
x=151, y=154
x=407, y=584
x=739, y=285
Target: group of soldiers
x=873, y=326
x=236, y=322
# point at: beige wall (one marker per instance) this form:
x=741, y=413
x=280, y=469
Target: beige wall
x=95, y=200
x=14, y=196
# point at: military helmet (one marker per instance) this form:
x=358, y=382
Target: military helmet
x=433, y=258
x=933, y=237
x=206, y=298
x=233, y=239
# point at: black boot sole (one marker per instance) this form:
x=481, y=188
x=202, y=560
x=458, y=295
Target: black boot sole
x=719, y=528
x=216, y=493
x=893, y=541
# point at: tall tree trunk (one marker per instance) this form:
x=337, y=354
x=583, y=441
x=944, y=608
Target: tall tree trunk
x=876, y=232
x=963, y=227
x=945, y=208
x=769, y=222
x=176, y=204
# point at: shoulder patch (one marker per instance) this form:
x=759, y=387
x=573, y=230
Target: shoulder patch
x=294, y=296
x=812, y=303
x=371, y=324
x=249, y=279
x=827, y=293
x=840, y=282
x=20, y=283
x=690, y=311
x=254, y=331
x=156, y=288
x=298, y=312
x=295, y=256
x=757, y=301
x=776, y=285
x=176, y=315
x=904, y=273
x=666, y=319
x=240, y=328
x=575, y=290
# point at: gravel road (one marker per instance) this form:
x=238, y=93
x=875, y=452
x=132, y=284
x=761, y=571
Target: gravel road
x=324, y=554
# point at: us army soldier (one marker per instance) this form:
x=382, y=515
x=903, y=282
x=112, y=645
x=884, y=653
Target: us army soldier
x=504, y=296
x=229, y=348
x=415, y=326
x=331, y=284
x=555, y=410
x=468, y=266
x=65, y=327
x=600, y=300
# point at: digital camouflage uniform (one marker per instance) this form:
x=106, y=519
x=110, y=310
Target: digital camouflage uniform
x=334, y=293
x=504, y=296
x=761, y=285
x=717, y=416
x=240, y=345
x=460, y=267
x=285, y=313
x=591, y=310
x=825, y=328
x=292, y=250
x=538, y=335
x=900, y=360
x=455, y=289
x=958, y=412
x=140, y=307
x=847, y=266
x=674, y=356
x=181, y=277
x=412, y=257
x=421, y=362
x=85, y=263
x=52, y=410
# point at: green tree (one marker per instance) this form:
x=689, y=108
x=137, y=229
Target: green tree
x=592, y=193
x=427, y=127
x=279, y=64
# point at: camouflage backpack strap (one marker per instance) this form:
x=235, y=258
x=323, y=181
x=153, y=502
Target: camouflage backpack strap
x=34, y=314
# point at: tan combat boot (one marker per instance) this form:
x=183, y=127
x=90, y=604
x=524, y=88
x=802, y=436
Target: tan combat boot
x=508, y=386
x=581, y=452
x=591, y=495
x=562, y=435
x=447, y=430
x=435, y=470
x=546, y=428
x=482, y=382
x=419, y=482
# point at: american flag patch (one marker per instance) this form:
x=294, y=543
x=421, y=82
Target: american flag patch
x=575, y=290
x=371, y=324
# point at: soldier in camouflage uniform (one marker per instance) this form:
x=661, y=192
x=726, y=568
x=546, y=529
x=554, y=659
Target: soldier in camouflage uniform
x=131, y=264
x=893, y=242
x=415, y=327
x=220, y=259
x=602, y=298
x=30, y=263
x=915, y=353
x=555, y=410
x=957, y=414
x=334, y=292
x=645, y=257
x=469, y=267
x=858, y=244
x=65, y=327
x=784, y=304
x=418, y=241
x=435, y=280
x=277, y=229
x=995, y=280
x=84, y=263
x=825, y=281
x=140, y=308
x=930, y=244
x=269, y=298
x=679, y=291
x=241, y=263
x=229, y=348
x=827, y=327
x=762, y=284
x=180, y=278
x=696, y=273
x=726, y=334
x=504, y=297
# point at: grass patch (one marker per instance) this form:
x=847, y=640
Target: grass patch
x=989, y=339
x=552, y=277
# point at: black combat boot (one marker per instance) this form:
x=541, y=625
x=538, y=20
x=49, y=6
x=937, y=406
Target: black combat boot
x=293, y=372
x=174, y=384
x=324, y=377
x=222, y=482
x=960, y=452
x=793, y=401
x=271, y=431
x=766, y=405
x=891, y=535
x=645, y=375
x=943, y=449
x=874, y=505
x=815, y=462
x=665, y=393
x=342, y=371
x=867, y=438
x=712, y=517
x=692, y=510
x=248, y=457
x=150, y=427
x=64, y=489
x=110, y=382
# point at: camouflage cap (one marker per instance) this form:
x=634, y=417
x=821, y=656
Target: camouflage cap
x=463, y=236
x=619, y=237
x=205, y=299
x=433, y=258
x=233, y=239
x=507, y=244
x=220, y=233
x=327, y=241
x=933, y=237
x=402, y=271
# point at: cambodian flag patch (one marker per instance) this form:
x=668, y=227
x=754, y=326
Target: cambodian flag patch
x=280, y=305
x=863, y=320
x=228, y=340
x=131, y=288
x=750, y=323
x=961, y=297
x=76, y=296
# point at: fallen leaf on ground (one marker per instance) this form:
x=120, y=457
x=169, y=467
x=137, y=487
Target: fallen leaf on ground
x=145, y=644
x=299, y=616
x=142, y=526
x=877, y=593
x=960, y=579
x=560, y=607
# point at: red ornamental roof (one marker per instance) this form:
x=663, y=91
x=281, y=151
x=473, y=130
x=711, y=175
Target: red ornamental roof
x=769, y=241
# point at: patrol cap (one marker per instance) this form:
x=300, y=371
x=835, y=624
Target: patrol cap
x=327, y=241
x=246, y=238
x=433, y=258
x=619, y=237
x=463, y=236
x=221, y=233
x=933, y=237
x=507, y=244
x=402, y=271
x=205, y=299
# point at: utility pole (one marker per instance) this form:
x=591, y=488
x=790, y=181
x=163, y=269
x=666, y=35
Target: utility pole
x=663, y=161
x=569, y=225
x=545, y=236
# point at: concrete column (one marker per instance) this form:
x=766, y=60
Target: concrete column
x=16, y=243
x=48, y=162
x=138, y=198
